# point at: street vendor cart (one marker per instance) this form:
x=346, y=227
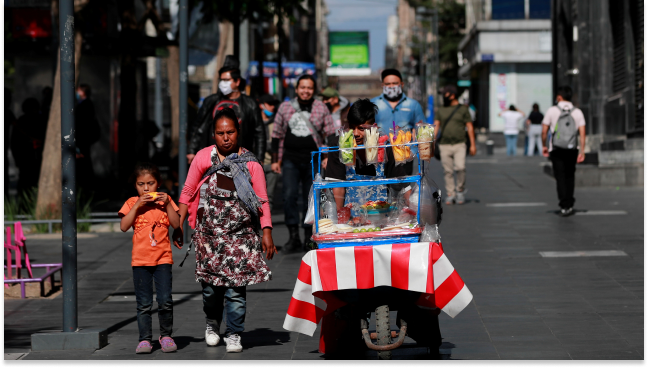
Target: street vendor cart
x=373, y=258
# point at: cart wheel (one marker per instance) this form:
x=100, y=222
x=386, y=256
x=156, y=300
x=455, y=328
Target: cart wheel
x=383, y=330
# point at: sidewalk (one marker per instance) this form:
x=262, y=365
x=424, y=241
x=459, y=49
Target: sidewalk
x=525, y=306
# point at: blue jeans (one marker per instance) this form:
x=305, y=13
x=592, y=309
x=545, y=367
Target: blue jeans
x=143, y=278
x=294, y=174
x=213, y=297
x=511, y=144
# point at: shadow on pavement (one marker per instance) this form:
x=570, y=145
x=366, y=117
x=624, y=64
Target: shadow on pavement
x=264, y=337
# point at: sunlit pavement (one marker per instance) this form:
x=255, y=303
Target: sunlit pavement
x=526, y=305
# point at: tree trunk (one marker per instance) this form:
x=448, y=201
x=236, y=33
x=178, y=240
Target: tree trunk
x=48, y=203
x=173, y=71
x=222, y=50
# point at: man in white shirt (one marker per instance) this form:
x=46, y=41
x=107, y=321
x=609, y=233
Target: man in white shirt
x=564, y=160
x=512, y=118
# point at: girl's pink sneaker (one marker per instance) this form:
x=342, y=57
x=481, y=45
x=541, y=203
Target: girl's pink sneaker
x=168, y=345
x=144, y=347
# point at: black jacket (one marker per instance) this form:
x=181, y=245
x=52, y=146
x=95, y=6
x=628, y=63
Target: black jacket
x=253, y=132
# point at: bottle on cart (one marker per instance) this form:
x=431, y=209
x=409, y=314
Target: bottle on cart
x=330, y=209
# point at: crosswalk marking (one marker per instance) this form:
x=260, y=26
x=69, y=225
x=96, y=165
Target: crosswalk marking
x=516, y=204
x=600, y=213
x=585, y=253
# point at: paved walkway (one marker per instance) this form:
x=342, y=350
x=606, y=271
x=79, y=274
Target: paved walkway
x=525, y=306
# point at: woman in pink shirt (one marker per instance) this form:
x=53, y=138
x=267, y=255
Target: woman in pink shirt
x=225, y=197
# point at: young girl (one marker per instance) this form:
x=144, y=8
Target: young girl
x=150, y=214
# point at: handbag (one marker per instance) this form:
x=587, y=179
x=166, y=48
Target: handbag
x=437, y=154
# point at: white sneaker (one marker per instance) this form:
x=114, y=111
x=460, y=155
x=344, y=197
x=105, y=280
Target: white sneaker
x=211, y=336
x=460, y=198
x=233, y=343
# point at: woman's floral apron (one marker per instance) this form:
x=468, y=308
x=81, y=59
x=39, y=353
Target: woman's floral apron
x=228, y=249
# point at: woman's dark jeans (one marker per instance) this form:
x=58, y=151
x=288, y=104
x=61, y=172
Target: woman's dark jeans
x=235, y=307
x=143, y=278
x=294, y=174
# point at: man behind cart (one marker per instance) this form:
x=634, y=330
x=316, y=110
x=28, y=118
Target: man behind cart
x=424, y=326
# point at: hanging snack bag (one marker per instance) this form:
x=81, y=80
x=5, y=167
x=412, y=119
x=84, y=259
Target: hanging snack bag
x=397, y=137
x=425, y=137
x=382, y=152
x=346, y=140
x=371, y=140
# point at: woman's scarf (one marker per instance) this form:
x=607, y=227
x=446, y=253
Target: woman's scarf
x=237, y=165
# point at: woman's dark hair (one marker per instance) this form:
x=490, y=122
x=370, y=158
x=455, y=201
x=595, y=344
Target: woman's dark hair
x=536, y=107
x=226, y=113
x=565, y=92
x=306, y=77
x=361, y=111
x=512, y=107
x=143, y=168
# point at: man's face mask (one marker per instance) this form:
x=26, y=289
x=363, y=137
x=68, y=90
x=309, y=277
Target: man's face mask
x=392, y=92
x=225, y=87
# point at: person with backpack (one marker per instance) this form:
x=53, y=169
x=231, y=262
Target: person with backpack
x=567, y=125
x=253, y=132
x=302, y=125
x=452, y=122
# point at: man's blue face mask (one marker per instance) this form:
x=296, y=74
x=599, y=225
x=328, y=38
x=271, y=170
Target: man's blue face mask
x=267, y=112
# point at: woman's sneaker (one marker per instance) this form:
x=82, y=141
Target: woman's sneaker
x=144, y=347
x=168, y=345
x=233, y=343
x=211, y=336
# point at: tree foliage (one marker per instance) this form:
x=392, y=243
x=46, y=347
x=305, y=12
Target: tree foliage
x=253, y=10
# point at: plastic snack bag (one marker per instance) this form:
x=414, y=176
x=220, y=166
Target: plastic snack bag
x=346, y=140
x=428, y=207
x=382, y=152
x=310, y=214
x=425, y=137
x=371, y=140
x=430, y=234
x=402, y=154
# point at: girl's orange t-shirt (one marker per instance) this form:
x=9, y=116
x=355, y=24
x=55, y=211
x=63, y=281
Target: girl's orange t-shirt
x=145, y=234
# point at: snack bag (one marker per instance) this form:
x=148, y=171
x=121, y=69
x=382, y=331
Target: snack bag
x=425, y=137
x=402, y=154
x=382, y=153
x=346, y=140
x=371, y=140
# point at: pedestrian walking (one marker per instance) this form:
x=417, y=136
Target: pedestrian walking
x=268, y=105
x=567, y=126
x=225, y=197
x=87, y=132
x=338, y=106
x=512, y=118
x=301, y=126
x=150, y=214
x=27, y=139
x=396, y=108
x=253, y=135
x=534, y=127
x=452, y=123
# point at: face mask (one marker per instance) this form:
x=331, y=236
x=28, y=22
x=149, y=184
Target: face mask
x=225, y=87
x=267, y=112
x=392, y=92
x=446, y=101
x=329, y=106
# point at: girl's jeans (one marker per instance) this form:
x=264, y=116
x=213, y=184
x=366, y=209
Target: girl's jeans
x=511, y=144
x=143, y=278
x=234, y=307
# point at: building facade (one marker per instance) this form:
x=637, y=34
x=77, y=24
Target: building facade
x=506, y=54
x=598, y=50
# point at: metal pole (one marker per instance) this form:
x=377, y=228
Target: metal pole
x=184, y=41
x=184, y=74
x=68, y=166
x=159, y=139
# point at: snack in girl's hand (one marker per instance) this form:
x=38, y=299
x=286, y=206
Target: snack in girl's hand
x=425, y=136
x=347, y=140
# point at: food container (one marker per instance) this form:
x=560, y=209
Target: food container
x=425, y=137
x=378, y=217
